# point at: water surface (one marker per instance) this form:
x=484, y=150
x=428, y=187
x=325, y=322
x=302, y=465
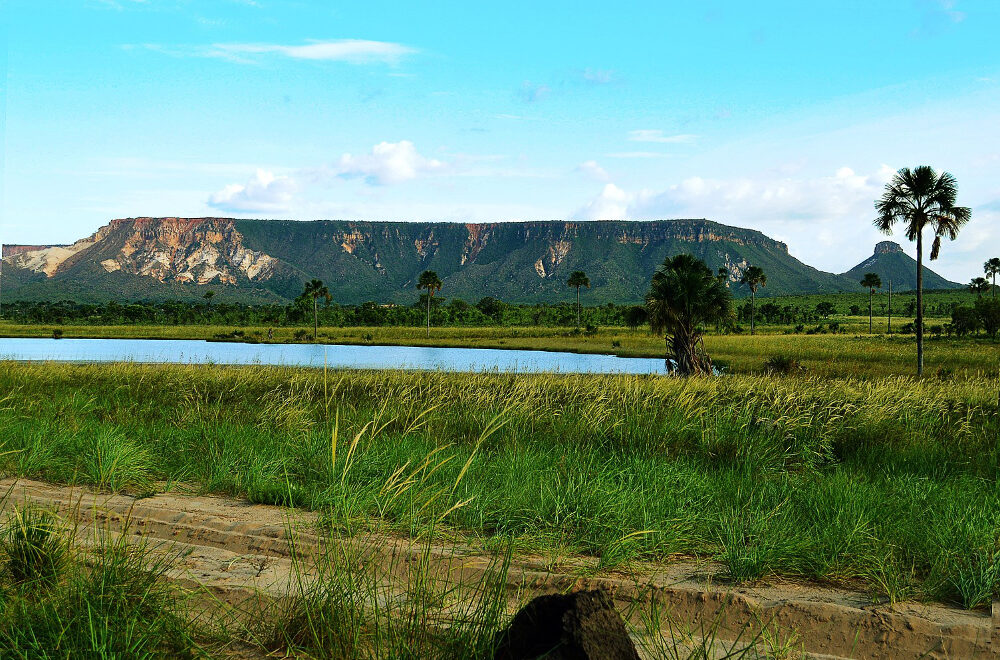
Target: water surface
x=193, y=351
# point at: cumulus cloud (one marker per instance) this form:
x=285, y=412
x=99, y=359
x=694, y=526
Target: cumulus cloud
x=263, y=192
x=591, y=170
x=353, y=51
x=822, y=218
x=388, y=163
x=656, y=135
x=611, y=204
x=783, y=198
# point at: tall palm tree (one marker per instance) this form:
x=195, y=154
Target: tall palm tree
x=684, y=294
x=871, y=281
x=430, y=281
x=979, y=286
x=578, y=278
x=315, y=289
x=992, y=269
x=754, y=277
x=208, y=297
x=921, y=198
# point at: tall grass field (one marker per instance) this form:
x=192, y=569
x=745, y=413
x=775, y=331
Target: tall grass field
x=887, y=484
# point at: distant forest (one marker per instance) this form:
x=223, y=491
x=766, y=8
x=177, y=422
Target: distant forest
x=788, y=310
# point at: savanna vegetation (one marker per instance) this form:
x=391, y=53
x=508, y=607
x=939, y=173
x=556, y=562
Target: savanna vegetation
x=889, y=484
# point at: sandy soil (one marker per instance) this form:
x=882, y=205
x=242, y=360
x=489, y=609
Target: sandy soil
x=235, y=550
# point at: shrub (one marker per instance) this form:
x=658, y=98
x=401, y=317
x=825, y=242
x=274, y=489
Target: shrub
x=300, y=335
x=34, y=546
x=57, y=333
x=782, y=364
x=988, y=313
x=116, y=462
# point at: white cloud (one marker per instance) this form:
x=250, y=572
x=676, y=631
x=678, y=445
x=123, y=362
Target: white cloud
x=529, y=92
x=827, y=220
x=656, y=135
x=263, y=192
x=388, y=163
x=591, y=170
x=611, y=204
x=760, y=199
x=353, y=51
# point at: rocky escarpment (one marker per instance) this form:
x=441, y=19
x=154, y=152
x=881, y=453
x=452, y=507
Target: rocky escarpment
x=185, y=250
x=381, y=261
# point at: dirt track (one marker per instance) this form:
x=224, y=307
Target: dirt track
x=238, y=550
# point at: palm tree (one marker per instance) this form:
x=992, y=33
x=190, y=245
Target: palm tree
x=683, y=295
x=979, y=286
x=430, y=281
x=921, y=198
x=754, y=277
x=315, y=290
x=578, y=278
x=992, y=269
x=208, y=297
x=871, y=282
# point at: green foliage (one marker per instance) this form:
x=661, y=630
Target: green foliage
x=890, y=482
x=34, y=546
x=683, y=295
x=114, y=607
x=113, y=461
x=782, y=364
x=987, y=310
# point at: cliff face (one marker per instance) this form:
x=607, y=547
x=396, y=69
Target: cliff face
x=185, y=250
x=515, y=261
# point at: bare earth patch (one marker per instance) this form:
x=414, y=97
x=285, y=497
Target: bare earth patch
x=238, y=551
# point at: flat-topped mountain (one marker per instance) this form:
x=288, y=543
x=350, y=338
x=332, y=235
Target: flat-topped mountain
x=259, y=260
x=890, y=263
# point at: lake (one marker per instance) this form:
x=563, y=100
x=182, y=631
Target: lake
x=191, y=351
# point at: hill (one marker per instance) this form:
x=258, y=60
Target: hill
x=890, y=263
x=260, y=260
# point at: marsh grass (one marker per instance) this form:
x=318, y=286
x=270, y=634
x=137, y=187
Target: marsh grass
x=35, y=546
x=887, y=484
x=110, y=601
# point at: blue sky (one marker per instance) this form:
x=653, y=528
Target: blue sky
x=787, y=117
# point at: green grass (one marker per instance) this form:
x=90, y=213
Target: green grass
x=889, y=484
x=56, y=604
x=849, y=354
x=111, y=597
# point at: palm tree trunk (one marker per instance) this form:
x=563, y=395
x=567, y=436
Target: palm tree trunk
x=428, y=313
x=753, y=313
x=315, y=320
x=871, y=292
x=889, y=330
x=920, y=302
x=577, y=307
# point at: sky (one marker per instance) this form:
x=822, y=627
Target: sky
x=785, y=117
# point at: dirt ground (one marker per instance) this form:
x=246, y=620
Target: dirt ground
x=235, y=551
